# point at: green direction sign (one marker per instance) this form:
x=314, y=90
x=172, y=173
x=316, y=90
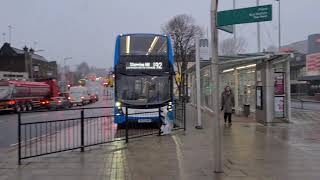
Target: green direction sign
x=228, y=28
x=245, y=15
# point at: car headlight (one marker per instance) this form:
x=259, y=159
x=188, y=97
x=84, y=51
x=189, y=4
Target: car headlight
x=170, y=103
x=118, y=104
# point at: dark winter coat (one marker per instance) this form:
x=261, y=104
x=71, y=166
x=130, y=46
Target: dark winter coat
x=227, y=101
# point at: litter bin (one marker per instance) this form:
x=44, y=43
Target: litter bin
x=246, y=110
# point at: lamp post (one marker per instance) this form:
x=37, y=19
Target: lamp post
x=279, y=24
x=215, y=83
x=234, y=26
x=258, y=32
x=10, y=32
x=63, y=78
x=199, y=122
x=4, y=37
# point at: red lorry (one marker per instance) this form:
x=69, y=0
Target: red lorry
x=22, y=96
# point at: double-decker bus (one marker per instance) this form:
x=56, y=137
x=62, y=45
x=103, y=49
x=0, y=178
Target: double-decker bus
x=144, y=74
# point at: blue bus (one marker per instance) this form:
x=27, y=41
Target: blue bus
x=144, y=77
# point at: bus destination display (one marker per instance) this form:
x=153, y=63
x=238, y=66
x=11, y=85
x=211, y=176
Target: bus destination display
x=144, y=66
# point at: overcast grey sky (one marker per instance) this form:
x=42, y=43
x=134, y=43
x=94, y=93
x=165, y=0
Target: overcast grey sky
x=86, y=29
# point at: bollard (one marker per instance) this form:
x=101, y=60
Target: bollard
x=184, y=116
x=160, y=122
x=127, y=126
x=19, y=138
x=82, y=130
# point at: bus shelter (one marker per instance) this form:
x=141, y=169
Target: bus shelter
x=260, y=83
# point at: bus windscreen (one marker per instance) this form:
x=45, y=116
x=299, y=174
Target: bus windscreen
x=143, y=45
x=143, y=89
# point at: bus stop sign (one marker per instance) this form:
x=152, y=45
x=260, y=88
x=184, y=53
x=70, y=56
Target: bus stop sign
x=245, y=15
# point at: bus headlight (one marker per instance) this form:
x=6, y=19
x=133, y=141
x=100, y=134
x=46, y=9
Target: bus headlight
x=118, y=104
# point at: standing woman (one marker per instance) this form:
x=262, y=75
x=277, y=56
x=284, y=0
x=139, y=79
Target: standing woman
x=227, y=104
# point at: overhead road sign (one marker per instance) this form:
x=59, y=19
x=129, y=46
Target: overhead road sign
x=245, y=15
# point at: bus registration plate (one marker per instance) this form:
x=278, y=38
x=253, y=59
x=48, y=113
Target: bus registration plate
x=144, y=120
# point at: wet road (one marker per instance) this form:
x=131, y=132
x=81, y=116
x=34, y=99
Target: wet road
x=8, y=122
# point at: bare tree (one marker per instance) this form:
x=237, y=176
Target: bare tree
x=183, y=30
x=83, y=69
x=232, y=47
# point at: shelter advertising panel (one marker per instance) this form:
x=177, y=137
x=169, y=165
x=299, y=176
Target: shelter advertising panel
x=259, y=97
x=279, y=107
x=279, y=83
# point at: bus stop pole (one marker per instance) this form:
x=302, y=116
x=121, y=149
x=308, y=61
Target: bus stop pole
x=198, y=82
x=215, y=86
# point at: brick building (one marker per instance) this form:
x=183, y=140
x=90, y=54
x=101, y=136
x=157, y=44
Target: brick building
x=25, y=64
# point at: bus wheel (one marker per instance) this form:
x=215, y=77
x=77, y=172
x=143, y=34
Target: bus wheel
x=17, y=108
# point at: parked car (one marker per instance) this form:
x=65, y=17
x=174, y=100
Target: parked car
x=59, y=103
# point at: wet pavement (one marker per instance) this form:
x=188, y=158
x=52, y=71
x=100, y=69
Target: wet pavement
x=251, y=151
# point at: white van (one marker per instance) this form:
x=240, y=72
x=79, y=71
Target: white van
x=79, y=95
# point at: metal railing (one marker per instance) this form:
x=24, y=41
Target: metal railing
x=40, y=138
x=305, y=104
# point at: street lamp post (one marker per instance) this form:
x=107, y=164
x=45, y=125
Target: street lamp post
x=279, y=24
x=215, y=83
x=199, y=122
x=258, y=32
x=10, y=32
x=4, y=37
x=63, y=78
x=234, y=26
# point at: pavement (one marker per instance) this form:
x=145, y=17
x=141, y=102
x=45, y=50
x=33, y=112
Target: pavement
x=251, y=151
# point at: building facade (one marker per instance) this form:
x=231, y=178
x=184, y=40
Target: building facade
x=306, y=67
x=16, y=62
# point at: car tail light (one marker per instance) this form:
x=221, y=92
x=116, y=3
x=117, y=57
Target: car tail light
x=12, y=102
x=59, y=101
x=47, y=102
x=69, y=98
x=82, y=97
